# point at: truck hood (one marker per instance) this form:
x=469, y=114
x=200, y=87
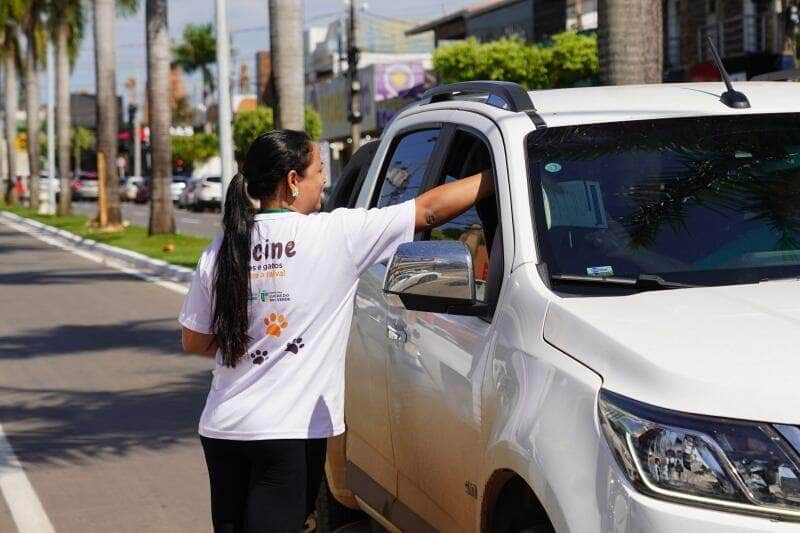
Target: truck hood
x=729, y=351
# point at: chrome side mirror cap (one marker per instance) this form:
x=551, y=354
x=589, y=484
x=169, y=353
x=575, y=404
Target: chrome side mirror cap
x=433, y=276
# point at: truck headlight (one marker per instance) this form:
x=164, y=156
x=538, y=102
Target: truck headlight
x=726, y=464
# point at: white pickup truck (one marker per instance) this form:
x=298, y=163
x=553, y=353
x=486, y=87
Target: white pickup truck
x=612, y=343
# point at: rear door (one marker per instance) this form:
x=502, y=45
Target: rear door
x=402, y=173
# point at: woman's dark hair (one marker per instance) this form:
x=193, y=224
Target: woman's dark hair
x=269, y=159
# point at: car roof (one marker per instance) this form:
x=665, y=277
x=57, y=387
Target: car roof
x=587, y=105
x=621, y=103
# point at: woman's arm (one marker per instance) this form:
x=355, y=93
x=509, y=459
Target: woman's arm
x=445, y=202
x=199, y=343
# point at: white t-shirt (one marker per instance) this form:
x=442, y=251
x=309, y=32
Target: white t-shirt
x=304, y=275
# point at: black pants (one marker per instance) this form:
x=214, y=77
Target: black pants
x=264, y=485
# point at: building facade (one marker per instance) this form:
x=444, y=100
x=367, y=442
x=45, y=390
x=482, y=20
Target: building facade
x=530, y=20
x=749, y=35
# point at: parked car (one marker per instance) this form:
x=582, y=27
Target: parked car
x=130, y=187
x=206, y=193
x=177, y=186
x=143, y=192
x=85, y=186
x=186, y=197
x=631, y=362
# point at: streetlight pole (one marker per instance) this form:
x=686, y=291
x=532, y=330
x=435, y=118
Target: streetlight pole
x=223, y=82
x=52, y=175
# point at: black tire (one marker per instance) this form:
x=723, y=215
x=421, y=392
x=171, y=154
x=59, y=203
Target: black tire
x=332, y=515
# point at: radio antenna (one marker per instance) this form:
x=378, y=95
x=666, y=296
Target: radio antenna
x=730, y=97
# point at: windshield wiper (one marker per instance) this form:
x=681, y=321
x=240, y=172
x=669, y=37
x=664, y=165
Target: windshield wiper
x=643, y=282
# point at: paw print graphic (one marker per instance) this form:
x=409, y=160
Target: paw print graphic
x=258, y=357
x=275, y=324
x=295, y=345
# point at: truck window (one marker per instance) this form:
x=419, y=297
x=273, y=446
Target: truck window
x=403, y=176
x=468, y=155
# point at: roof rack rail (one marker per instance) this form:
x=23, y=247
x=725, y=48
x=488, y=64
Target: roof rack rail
x=778, y=75
x=511, y=96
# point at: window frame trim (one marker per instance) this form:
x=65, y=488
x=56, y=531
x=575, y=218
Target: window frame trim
x=396, y=140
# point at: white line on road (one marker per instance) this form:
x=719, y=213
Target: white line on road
x=25, y=506
x=190, y=220
x=97, y=258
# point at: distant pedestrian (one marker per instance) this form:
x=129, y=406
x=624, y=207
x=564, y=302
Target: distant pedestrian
x=121, y=164
x=272, y=300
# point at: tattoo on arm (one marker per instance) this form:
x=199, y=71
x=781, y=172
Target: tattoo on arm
x=430, y=218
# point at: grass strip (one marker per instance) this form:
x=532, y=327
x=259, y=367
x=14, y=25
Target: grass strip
x=186, y=249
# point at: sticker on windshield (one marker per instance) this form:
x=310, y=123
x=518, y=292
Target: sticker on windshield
x=602, y=271
x=576, y=203
x=552, y=167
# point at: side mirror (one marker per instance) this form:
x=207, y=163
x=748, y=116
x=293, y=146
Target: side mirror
x=434, y=276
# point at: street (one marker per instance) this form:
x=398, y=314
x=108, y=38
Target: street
x=96, y=399
x=198, y=224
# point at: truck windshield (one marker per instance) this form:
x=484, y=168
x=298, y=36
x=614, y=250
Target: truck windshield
x=708, y=201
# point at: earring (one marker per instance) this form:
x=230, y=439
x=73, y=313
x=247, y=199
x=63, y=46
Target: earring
x=295, y=193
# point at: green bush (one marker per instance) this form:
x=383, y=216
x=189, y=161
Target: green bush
x=194, y=149
x=568, y=58
x=250, y=124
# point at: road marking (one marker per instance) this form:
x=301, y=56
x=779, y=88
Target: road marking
x=98, y=258
x=190, y=220
x=25, y=506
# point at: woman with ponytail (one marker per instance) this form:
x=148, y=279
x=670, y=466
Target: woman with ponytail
x=272, y=300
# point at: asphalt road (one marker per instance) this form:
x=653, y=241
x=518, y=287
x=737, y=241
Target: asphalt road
x=198, y=224
x=96, y=400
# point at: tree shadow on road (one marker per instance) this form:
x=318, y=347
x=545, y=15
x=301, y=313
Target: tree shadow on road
x=78, y=426
x=62, y=277
x=158, y=335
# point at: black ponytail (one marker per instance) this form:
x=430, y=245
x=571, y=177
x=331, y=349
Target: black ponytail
x=268, y=161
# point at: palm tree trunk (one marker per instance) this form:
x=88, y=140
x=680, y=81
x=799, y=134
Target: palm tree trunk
x=32, y=109
x=105, y=72
x=630, y=41
x=158, y=95
x=286, y=45
x=11, y=104
x=62, y=116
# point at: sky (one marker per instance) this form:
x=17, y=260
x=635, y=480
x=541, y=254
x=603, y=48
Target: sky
x=248, y=24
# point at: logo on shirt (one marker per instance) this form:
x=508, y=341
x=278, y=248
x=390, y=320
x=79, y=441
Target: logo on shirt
x=275, y=324
x=269, y=296
x=258, y=357
x=294, y=345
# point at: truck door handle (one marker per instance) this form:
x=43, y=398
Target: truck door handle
x=396, y=335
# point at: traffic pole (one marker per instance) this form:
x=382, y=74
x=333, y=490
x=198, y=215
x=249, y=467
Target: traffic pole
x=223, y=77
x=52, y=174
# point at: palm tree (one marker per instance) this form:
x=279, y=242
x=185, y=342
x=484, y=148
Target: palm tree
x=158, y=94
x=34, y=35
x=66, y=27
x=109, y=215
x=11, y=11
x=286, y=47
x=198, y=51
x=630, y=41
x=80, y=140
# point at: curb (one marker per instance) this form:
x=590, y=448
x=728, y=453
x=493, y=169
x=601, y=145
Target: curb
x=148, y=265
